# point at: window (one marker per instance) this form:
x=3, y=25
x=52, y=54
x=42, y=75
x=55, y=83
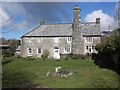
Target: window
x=86, y=47
x=30, y=40
x=56, y=39
x=29, y=50
x=38, y=50
x=90, y=50
x=69, y=39
x=88, y=39
x=39, y=39
x=67, y=49
x=56, y=50
x=93, y=47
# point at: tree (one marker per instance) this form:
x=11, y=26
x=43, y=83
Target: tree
x=109, y=53
x=13, y=44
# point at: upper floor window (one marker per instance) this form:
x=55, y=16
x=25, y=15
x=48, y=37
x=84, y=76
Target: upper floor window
x=88, y=39
x=69, y=39
x=38, y=50
x=29, y=50
x=39, y=40
x=56, y=39
x=30, y=40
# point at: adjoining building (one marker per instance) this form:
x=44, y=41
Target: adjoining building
x=64, y=38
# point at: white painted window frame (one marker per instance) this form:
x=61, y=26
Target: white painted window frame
x=87, y=50
x=37, y=50
x=28, y=50
x=30, y=40
x=39, y=40
x=69, y=39
x=56, y=40
x=87, y=40
x=66, y=51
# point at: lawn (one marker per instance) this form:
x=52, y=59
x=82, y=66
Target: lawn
x=18, y=72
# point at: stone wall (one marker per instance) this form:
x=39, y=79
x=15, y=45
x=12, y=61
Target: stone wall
x=47, y=43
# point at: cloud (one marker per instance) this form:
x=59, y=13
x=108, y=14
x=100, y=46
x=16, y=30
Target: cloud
x=30, y=14
x=38, y=11
x=14, y=8
x=4, y=18
x=106, y=20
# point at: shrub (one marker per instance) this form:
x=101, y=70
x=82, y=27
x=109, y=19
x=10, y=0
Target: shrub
x=109, y=53
x=18, y=56
x=8, y=54
x=84, y=56
x=30, y=58
x=45, y=54
x=75, y=56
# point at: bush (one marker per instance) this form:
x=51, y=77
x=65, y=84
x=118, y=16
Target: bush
x=18, y=56
x=30, y=58
x=45, y=54
x=109, y=53
x=8, y=54
x=84, y=56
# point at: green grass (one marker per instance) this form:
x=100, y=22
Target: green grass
x=18, y=72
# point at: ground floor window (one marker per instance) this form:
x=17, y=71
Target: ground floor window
x=29, y=50
x=90, y=49
x=38, y=50
x=68, y=49
x=87, y=47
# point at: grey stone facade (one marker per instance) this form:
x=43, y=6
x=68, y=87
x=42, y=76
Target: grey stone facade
x=76, y=38
x=47, y=43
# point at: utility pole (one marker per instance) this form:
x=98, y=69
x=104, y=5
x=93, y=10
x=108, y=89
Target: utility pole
x=117, y=15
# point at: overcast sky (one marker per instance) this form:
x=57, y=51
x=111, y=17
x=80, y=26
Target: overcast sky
x=19, y=17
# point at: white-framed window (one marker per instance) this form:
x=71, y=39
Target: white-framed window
x=87, y=47
x=67, y=49
x=30, y=40
x=39, y=50
x=90, y=49
x=69, y=39
x=29, y=50
x=39, y=39
x=89, y=39
x=56, y=39
x=93, y=47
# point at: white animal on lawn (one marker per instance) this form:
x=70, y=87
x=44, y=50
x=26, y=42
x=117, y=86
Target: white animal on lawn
x=57, y=69
x=48, y=73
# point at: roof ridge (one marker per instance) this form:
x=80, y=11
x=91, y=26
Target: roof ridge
x=88, y=22
x=57, y=23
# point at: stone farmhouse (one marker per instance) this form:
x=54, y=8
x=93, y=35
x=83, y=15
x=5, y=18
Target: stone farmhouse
x=65, y=38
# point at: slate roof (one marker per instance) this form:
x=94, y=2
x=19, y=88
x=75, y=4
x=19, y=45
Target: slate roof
x=52, y=30
x=89, y=29
x=63, y=30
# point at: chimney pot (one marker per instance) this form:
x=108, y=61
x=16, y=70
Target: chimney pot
x=42, y=23
x=98, y=20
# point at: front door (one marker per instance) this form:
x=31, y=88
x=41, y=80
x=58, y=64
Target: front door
x=56, y=53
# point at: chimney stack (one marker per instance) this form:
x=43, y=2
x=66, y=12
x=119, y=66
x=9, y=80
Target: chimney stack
x=76, y=12
x=98, y=20
x=42, y=23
